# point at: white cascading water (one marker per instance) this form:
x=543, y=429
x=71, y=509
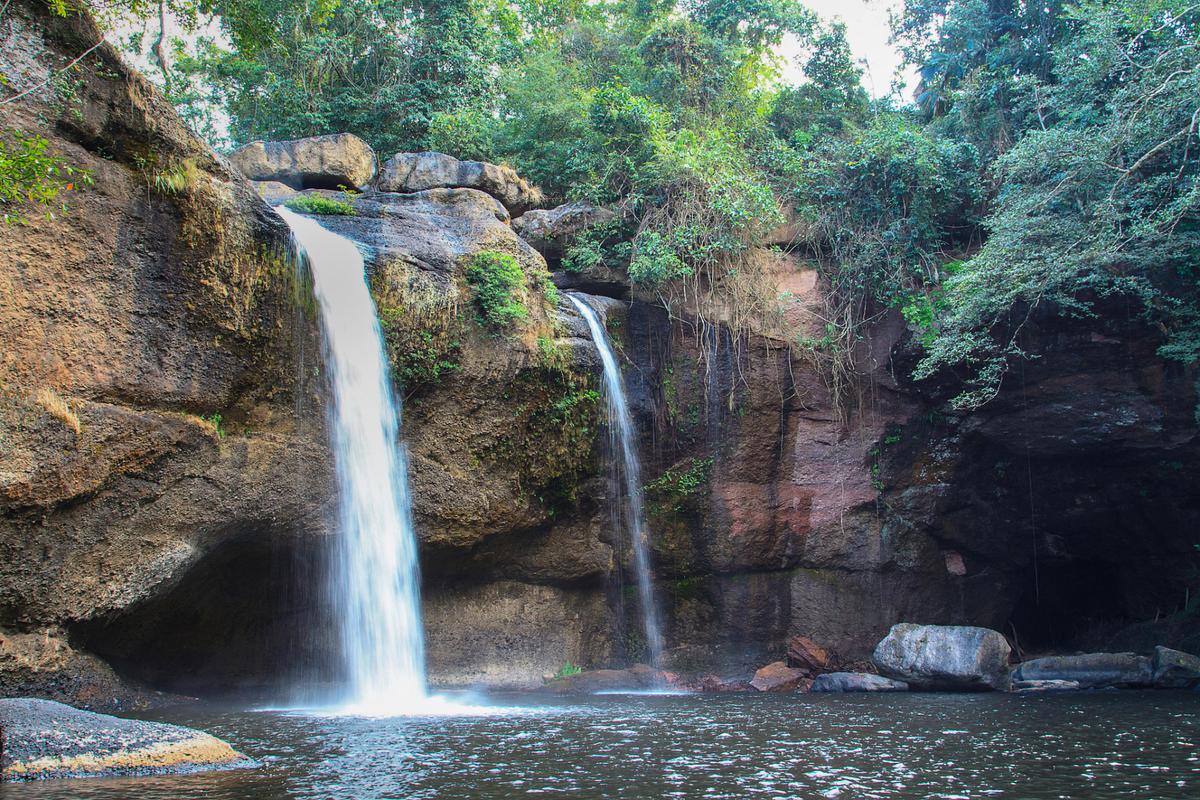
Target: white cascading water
x=620, y=425
x=376, y=585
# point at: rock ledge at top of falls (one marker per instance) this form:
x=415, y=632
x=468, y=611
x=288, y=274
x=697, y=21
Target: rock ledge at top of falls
x=318, y=162
x=45, y=739
x=415, y=172
x=952, y=657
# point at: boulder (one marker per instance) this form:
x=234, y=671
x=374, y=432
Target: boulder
x=1174, y=669
x=1041, y=687
x=951, y=657
x=551, y=230
x=1090, y=670
x=805, y=654
x=45, y=739
x=416, y=172
x=779, y=677
x=856, y=682
x=320, y=162
x=273, y=192
x=719, y=685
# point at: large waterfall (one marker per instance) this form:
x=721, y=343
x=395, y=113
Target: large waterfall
x=622, y=442
x=376, y=585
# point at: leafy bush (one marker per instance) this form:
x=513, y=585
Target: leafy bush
x=316, y=204
x=499, y=285
x=567, y=670
x=467, y=134
x=29, y=174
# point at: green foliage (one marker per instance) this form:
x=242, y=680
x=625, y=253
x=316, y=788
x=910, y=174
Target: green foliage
x=499, y=286
x=31, y=175
x=1105, y=199
x=680, y=486
x=317, y=204
x=218, y=424
x=467, y=134
x=567, y=670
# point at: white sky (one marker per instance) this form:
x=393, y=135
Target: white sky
x=867, y=31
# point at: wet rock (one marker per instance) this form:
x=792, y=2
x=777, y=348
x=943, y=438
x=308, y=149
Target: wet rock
x=45, y=739
x=319, y=162
x=1090, y=670
x=805, y=654
x=856, y=682
x=415, y=172
x=1174, y=669
x=1041, y=687
x=552, y=230
x=639, y=677
x=273, y=192
x=779, y=677
x=720, y=685
x=952, y=657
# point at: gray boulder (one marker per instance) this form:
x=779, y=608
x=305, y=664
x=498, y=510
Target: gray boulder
x=551, y=230
x=45, y=739
x=320, y=162
x=1090, y=670
x=416, y=172
x=856, y=682
x=950, y=657
x=1174, y=669
x=273, y=192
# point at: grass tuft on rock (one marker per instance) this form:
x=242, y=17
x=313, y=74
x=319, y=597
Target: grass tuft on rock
x=316, y=204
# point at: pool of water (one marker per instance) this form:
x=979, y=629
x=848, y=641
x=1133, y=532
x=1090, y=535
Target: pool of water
x=1095, y=746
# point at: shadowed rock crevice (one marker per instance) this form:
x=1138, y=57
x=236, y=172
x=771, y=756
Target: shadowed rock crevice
x=249, y=614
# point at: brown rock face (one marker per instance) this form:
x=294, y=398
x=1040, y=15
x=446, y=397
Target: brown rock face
x=340, y=160
x=779, y=677
x=805, y=654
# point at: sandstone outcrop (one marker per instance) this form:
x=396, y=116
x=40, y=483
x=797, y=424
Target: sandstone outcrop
x=779, y=677
x=336, y=161
x=42, y=739
x=952, y=657
x=416, y=172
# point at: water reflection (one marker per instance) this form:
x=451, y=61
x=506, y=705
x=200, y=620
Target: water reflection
x=1132, y=744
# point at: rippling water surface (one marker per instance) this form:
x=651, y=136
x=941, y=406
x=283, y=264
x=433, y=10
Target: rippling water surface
x=1129, y=744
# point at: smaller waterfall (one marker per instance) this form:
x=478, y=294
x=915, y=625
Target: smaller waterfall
x=376, y=584
x=620, y=425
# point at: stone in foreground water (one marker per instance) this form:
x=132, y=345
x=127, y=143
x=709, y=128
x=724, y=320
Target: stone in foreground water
x=45, y=739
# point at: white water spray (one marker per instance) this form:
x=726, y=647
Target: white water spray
x=620, y=426
x=376, y=584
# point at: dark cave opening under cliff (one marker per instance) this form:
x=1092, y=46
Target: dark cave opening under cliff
x=248, y=615
x=1067, y=602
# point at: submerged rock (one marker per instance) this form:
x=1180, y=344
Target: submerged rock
x=45, y=739
x=856, y=682
x=319, y=162
x=416, y=172
x=779, y=677
x=1174, y=669
x=1090, y=670
x=954, y=657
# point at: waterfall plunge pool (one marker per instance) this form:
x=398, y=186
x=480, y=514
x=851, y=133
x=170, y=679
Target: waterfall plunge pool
x=1139, y=744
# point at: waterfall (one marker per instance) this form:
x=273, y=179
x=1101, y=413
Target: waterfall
x=620, y=427
x=375, y=583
